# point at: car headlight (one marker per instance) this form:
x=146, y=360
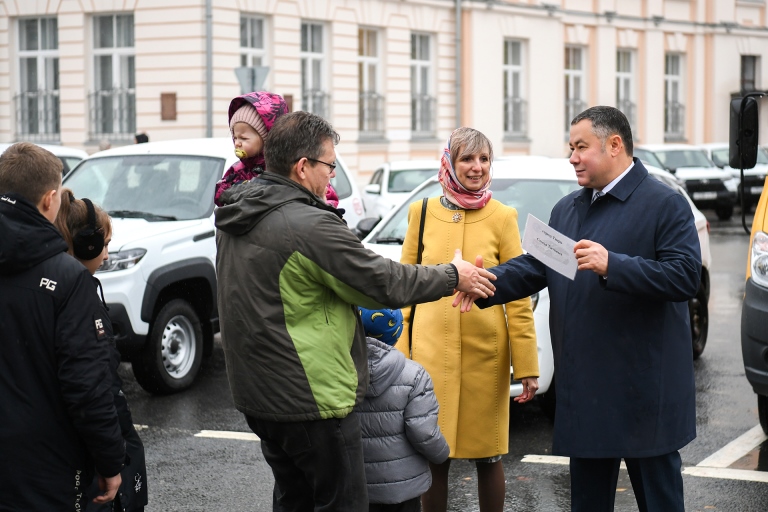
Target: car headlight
x=759, y=261
x=122, y=260
x=731, y=185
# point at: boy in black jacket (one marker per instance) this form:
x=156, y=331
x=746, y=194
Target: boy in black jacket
x=59, y=418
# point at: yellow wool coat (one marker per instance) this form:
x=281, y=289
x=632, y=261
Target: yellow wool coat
x=468, y=354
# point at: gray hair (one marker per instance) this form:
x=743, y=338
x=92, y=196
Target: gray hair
x=468, y=141
x=295, y=136
x=607, y=121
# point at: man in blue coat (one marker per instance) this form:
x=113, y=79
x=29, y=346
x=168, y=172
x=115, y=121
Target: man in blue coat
x=620, y=331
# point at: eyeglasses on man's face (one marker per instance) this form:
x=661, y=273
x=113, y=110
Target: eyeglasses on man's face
x=332, y=166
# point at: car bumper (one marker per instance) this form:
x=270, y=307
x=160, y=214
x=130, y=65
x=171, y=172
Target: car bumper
x=754, y=336
x=711, y=199
x=127, y=341
x=753, y=187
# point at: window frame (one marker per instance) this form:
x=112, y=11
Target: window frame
x=626, y=101
x=422, y=96
x=320, y=98
x=122, y=85
x=47, y=87
x=371, y=101
x=249, y=54
x=509, y=71
x=575, y=78
x=744, y=86
x=674, y=97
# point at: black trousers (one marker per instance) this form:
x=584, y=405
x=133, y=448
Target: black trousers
x=412, y=505
x=318, y=465
x=656, y=481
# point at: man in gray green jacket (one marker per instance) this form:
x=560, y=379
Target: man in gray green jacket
x=290, y=275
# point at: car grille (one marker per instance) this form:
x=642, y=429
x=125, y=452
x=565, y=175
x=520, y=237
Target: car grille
x=715, y=185
x=754, y=181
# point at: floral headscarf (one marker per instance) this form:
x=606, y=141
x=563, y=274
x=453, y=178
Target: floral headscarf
x=454, y=191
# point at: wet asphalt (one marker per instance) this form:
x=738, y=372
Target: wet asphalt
x=188, y=473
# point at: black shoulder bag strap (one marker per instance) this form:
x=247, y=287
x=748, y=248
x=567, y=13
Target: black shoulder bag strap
x=418, y=262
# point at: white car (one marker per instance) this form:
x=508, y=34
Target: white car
x=533, y=184
x=69, y=157
x=754, y=178
x=160, y=278
x=392, y=182
x=708, y=185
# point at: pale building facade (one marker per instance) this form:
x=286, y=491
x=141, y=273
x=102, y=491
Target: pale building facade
x=383, y=72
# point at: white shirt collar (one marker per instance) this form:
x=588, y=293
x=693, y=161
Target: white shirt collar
x=616, y=180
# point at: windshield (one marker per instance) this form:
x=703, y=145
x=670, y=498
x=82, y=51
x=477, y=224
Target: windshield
x=536, y=197
x=675, y=159
x=154, y=187
x=721, y=156
x=647, y=157
x=408, y=179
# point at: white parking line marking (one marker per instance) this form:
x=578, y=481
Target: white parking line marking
x=547, y=459
x=735, y=450
x=714, y=466
x=220, y=434
x=728, y=474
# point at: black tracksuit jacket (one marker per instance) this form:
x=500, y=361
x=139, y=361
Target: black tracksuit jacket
x=57, y=411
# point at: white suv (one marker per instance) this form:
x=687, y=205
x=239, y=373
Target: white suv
x=160, y=279
x=708, y=186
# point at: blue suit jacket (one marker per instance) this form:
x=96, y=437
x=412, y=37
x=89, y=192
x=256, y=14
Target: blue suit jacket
x=622, y=347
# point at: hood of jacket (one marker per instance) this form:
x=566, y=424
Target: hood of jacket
x=385, y=364
x=26, y=237
x=249, y=203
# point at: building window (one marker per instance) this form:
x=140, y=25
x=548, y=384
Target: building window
x=674, y=106
x=313, y=96
x=113, y=100
x=515, y=106
x=252, y=41
x=625, y=85
x=748, y=73
x=253, y=69
x=371, y=108
x=37, y=102
x=574, y=84
x=422, y=101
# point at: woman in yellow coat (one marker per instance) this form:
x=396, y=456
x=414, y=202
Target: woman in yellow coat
x=468, y=355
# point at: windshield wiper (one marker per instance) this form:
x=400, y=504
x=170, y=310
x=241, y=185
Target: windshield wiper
x=390, y=240
x=134, y=214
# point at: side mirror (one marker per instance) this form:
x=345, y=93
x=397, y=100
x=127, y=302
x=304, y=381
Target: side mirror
x=743, y=133
x=372, y=188
x=365, y=226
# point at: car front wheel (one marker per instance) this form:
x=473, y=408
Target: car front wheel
x=724, y=212
x=171, y=358
x=699, y=316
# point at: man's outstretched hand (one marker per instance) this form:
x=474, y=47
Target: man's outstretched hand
x=474, y=282
x=473, y=279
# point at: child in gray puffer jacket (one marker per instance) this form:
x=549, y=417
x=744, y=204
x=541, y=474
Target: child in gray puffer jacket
x=398, y=418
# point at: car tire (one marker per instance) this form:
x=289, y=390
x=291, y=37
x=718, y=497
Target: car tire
x=724, y=212
x=548, y=401
x=762, y=412
x=171, y=358
x=698, y=310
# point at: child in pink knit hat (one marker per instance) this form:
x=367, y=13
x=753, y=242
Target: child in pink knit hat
x=251, y=116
